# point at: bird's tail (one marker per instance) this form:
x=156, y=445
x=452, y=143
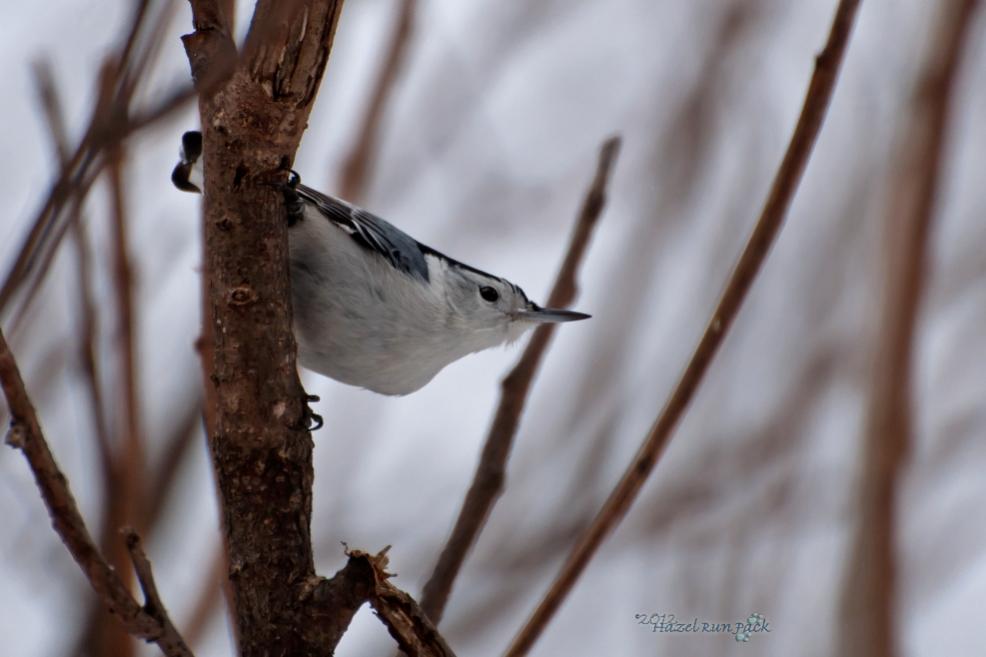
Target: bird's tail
x=187, y=174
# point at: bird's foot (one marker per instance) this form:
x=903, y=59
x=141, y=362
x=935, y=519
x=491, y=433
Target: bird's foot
x=313, y=421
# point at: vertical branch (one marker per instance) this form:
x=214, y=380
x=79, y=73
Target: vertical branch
x=789, y=174
x=869, y=596
x=261, y=450
x=131, y=463
x=123, y=497
x=352, y=184
x=208, y=596
x=487, y=483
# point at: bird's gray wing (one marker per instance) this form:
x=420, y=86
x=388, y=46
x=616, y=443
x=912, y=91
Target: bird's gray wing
x=371, y=232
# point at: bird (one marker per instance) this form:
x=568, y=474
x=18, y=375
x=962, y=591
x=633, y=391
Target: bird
x=372, y=306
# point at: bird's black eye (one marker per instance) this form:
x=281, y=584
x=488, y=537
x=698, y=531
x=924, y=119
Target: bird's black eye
x=489, y=293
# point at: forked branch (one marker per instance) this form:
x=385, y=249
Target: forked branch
x=150, y=623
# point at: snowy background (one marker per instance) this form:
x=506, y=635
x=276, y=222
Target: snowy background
x=487, y=144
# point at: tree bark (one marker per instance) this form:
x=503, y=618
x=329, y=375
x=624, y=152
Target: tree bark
x=254, y=108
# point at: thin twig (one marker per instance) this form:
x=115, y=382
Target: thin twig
x=25, y=434
x=111, y=122
x=100, y=633
x=153, y=605
x=785, y=183
x=208, y=596
x=869, y=593
x=52, y=109
x=130, y=458
x=487, y=483
x=352, y=182
x=164, y=479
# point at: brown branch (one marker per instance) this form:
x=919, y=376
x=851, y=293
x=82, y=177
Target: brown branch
x=101, y=633
x=365, y=577
x=869, y=593
x=785, y=183
x=111, y=122
x=261, y=451
x=208, y=598
x=487, y=482
x=54, y=118
x=25, y=434
x=153, y=606
x=352, y=183
x=181, y=436
x=130, y=459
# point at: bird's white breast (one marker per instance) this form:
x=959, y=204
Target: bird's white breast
x=360, y=321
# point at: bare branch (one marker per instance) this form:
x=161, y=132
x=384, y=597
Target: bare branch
x=487, y=483
x=153, y=606
x=415, y=634
x=181, y=436
x=208, y=597
x=816, y=103
x=131, y=464
x=869, y=594
x=112, y=120
x=25, y=434
x=101, y=633
x=255, y=405
x=352, y=182
x=52, y=109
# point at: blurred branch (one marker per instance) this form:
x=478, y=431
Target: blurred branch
x=785, y=183
x=54, y=118
x=683, y=151
x=208, y=596
x=870, y=588
x=150, y=624
x=357, y=163
x=487, y=484
x=131, y=463
x=112, y=120
x=181, y=436
x=100, y=633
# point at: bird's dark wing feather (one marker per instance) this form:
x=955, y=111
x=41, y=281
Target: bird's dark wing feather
x=372, y=233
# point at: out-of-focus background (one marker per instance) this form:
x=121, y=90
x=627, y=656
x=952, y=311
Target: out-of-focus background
x=487, y=140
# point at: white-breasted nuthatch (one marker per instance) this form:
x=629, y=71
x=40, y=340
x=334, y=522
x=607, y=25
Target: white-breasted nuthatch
x=375, y=308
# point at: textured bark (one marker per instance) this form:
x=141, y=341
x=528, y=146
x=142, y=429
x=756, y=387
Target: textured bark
x=254, y=109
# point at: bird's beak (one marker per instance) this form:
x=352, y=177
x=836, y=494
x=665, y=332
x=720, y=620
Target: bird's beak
x=535, y=313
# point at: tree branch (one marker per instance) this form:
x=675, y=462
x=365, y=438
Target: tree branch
x=365, y=577
x=25, y=434
x=262, y=453
x=869, y=593
x=487, y=483
x=785, y=183
x=352, y=182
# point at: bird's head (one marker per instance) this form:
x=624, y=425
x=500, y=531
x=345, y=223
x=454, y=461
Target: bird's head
x=495, y=310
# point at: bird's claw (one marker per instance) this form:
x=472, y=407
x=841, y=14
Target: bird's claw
x=310, y=420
